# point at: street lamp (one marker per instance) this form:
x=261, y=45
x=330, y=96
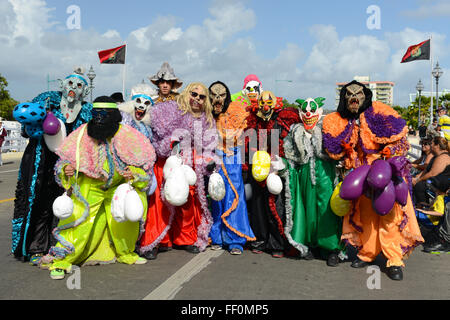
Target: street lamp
x=437, y=73
x=91, y=75
x=419, y=88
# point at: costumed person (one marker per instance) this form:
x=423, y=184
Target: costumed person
x=167, y=83
x=250, y=92
x=3, y=134
x=361, y=134
x=185, y=131
x=96, y=162
x=220, y=98
x=267, y=126
x=231, y=227
x=46, y=121
x=312, y=176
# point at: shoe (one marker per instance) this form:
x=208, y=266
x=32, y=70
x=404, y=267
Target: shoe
x=141, y=260
x=437, y=246
x=189, y=248
x=216, y=247
x=35, y=259
x=57, y=274
x=164, y=249
x=333, y=260
x=395, y=273
x=256, y=251
x=358, y=263
x=277, y=254
x=151, y=255
x=309, y=256
x=236, y=251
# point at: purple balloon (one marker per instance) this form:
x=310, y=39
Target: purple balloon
x=354, y=183
x=398, y=164
x=51, y=124
x=384, y=200
x=401, y=191
x=380, y=174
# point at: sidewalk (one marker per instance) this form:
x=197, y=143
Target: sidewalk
x=11, y=156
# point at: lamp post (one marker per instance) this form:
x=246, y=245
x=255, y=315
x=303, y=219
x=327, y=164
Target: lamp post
x=437, y=73
x=419, y=88
x=91, y=75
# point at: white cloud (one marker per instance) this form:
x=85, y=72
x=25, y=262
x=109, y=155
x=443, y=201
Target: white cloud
x=428, y=10
x=172, y=35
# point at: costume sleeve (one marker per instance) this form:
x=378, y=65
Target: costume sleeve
x=60, y=177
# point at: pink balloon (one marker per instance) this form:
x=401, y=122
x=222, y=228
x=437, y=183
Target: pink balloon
x=354, y=183
x=51, y=124
x=401, y=191
x=380, y=174
x=384, y=200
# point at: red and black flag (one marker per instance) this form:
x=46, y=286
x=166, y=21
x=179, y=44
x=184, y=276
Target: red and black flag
x=113, y=56
x=419, y=51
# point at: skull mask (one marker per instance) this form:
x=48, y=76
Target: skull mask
x=310, y=111
x=267, y=103
x=218, y=96
x=354, y=97
x=252, y=90
x=74, y=89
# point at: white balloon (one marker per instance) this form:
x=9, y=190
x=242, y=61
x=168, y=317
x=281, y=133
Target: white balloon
x=248, y=191
x=118, y=202
x=133, y=208
x=53, y=142
x=171, y=163
x=274, y=184
x=191, y=177
x=63, y=207
x=216, y=187
x=176, y=187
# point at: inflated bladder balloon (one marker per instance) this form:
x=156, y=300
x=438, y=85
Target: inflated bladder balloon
x=398, y=164
x=380, y=174
x=339, y=206
x=401, y=191
x=353, y=185
x=51, y=124
x=384, y=200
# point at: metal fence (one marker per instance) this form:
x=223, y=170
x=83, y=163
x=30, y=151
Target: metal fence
x=14, y=142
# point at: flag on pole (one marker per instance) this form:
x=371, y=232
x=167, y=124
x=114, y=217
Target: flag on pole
x=113, y=56
x=419, y=51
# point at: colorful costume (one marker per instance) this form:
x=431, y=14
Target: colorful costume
x=189, y=224
x=231, y=227
x=267, y=212
x=91, y=235
x=371, y=131
x=36, y=189
x=310, y=221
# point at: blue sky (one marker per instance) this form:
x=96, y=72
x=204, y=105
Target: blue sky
x=314, y=43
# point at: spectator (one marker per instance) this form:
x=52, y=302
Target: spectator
x=422, y=130
x=3, y=134
x=420, y=164
x=441, y=240
x=431, y=129
x=436, y=173
x=444, y=123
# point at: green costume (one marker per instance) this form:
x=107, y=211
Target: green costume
x=311, y=175
x=91, y=235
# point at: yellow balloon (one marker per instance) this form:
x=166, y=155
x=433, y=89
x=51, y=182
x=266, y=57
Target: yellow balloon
x=339, y=206
x=260, y=165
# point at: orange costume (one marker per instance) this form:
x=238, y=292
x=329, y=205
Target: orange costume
x=377, y=132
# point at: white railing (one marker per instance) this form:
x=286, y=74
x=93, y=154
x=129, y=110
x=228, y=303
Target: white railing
x=415, y=151
x=14, y=142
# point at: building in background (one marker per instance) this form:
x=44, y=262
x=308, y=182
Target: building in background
x=383, y=91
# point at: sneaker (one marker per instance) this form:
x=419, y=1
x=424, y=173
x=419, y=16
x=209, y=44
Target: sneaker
x=35, y=259
x=236, y=251
x=333, y=260
x=57, y=274
x=141, y=260
x=216, y=247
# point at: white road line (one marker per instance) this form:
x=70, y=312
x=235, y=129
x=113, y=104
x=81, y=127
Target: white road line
x=9, y=171
x=169, y=288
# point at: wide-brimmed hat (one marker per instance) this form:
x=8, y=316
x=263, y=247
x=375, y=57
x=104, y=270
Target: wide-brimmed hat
x=166, y=73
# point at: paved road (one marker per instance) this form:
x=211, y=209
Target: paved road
x=214, y=275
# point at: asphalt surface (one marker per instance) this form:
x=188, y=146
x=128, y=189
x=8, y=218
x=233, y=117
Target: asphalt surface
x=214, y=275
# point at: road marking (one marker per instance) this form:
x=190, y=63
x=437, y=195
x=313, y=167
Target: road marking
x=6, y=200
x=9, y=171
x=169, y=288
